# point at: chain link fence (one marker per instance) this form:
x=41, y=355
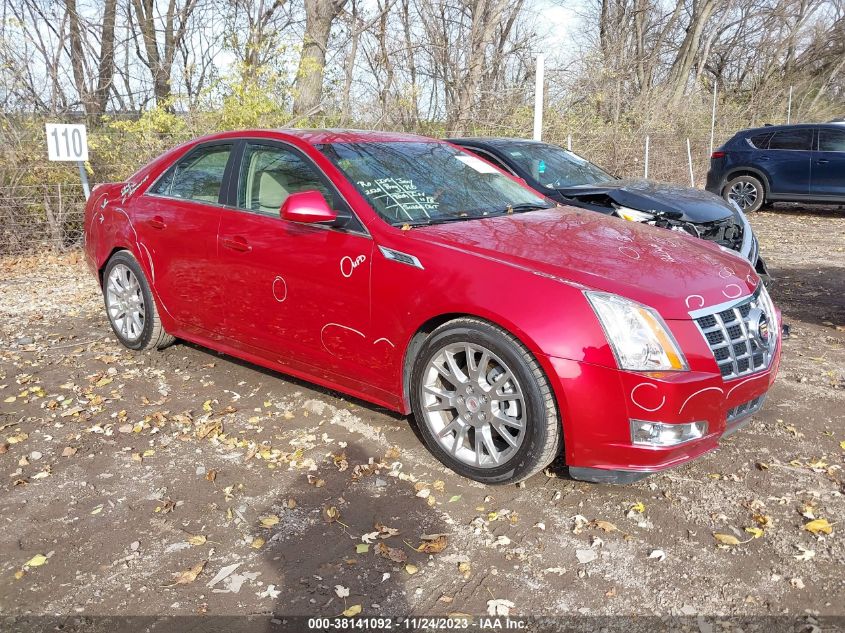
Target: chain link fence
x=48, y=216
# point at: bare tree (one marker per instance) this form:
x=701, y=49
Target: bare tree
x=319, y=17
x=159, y=57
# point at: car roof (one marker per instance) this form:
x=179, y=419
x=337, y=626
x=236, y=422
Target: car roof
x=318, y=136
x=494, y=141
x=792, y=126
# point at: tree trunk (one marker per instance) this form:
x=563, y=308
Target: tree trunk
x=105, y=70
x=319, y=17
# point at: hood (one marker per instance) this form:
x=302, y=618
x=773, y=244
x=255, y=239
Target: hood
x=672, y=272
x=681, y=203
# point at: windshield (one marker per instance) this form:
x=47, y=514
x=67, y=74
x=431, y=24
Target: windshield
x=554, y=167
x=427, y=182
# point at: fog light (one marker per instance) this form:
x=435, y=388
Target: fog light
x=661, y=434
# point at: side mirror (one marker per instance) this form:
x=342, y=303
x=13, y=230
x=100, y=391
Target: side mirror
x=307, y=207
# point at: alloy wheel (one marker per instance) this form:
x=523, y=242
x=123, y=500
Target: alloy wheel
x=125, y=302
x=744, y=194
x=473, y=405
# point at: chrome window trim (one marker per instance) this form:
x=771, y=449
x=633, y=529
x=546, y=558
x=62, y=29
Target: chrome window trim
x=268, y=141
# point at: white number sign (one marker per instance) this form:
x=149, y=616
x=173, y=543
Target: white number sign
x=67, y=142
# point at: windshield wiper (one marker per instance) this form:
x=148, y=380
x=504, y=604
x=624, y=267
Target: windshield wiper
x=443, y=220
x=525, y=206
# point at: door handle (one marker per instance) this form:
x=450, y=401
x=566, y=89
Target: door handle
x=157, y=222
x=237, y=243
x=822, y=161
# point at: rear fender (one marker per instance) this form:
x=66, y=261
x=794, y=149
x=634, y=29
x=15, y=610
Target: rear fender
x=116, y=232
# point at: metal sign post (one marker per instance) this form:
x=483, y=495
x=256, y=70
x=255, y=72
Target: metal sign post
x=69, y=143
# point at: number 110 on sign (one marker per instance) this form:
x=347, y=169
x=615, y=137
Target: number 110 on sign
x=66, y=142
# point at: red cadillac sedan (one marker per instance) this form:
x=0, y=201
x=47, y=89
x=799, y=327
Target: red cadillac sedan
x=409, y=273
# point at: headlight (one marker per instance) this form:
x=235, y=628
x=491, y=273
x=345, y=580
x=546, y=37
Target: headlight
x=633, y=215
x=639, y=337
x=769, y=308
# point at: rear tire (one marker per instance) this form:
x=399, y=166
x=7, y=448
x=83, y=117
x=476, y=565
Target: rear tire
x=747, y=191
x=130, y=307
x=483, y=404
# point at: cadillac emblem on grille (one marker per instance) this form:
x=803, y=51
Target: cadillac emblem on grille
x=758, y=328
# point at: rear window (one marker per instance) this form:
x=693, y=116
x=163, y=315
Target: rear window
x=792, y=139
x=760, y=141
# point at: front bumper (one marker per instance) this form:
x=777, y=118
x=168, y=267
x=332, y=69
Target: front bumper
x=597, y=404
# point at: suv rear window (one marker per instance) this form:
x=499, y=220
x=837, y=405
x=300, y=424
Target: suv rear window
x=760, y=141
x=792, y=139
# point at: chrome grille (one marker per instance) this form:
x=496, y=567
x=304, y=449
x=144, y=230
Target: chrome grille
x=731, y=332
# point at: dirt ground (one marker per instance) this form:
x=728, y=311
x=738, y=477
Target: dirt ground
x=129, y=482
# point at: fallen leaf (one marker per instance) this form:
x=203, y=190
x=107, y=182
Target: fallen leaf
x=197, y=539
x=726, y=539
x=36, y=561
x=454, y=498
x=754, y=531
x=69, y=451
x=411, y=569
x=257, y=543
x=362, y=548
x=352, y=611
x=341, y=591
x=819, y=526
x=657, y=554
x=189, y=575
x=268, y=521
x=639, y=506
x=607, y=526
x=211, y=475
x=370, y=537
x=331, y=514
x=434, y=546
x=392, y=553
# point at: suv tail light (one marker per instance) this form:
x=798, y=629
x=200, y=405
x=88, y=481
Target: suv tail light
x=717, y=154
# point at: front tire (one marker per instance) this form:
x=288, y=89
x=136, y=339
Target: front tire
x=483, y=404
x=747, y=191
x=130, y=308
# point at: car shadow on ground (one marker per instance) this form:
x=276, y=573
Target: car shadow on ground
x=320, y=556
x=795, y=208
x=809, y=294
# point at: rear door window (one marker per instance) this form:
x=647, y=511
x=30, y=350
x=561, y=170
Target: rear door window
x=831, y=141
x=792, y=140
x=198, y=176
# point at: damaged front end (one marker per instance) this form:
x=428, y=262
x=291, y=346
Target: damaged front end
x=733, y=233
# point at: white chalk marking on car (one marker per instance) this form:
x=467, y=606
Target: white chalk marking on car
x=719, y=389
x=646, y=384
